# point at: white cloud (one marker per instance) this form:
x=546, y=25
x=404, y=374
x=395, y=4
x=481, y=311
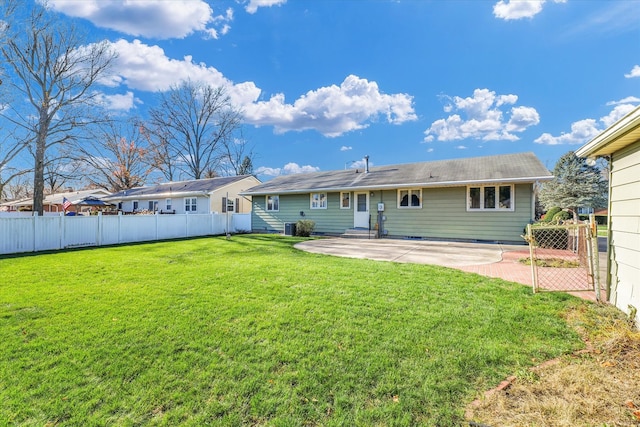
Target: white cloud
x=429, y=150
x=144, y=67
x=288, y=169
x=253, y=5
x=345, y=148
x=519, y=9
x=617, y=113
x=122, y=102
x=627, y=100
x=483, y=118
x=635, y=72
x=461, y=147
x=332, y=110
x=148, y=18
x=584, y=130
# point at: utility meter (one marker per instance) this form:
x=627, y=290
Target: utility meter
x=380, y=207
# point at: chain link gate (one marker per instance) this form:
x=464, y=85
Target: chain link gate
x=564, y=257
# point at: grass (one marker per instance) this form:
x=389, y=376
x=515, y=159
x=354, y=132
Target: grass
x=597, y=386
x=551, y=262
x=603, y=231
x=250, y=331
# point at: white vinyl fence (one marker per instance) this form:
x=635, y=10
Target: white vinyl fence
x=42, y=233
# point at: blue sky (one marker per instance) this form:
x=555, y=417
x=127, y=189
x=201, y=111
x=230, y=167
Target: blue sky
x=325, y=82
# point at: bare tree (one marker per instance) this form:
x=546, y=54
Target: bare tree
x=18, y=188
x=115, y=158
x=160, y=157
x=57, y=173
x=54, y=70
x=195, y=121
x=236, y=158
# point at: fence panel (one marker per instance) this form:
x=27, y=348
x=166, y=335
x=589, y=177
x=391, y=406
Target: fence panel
x=80, y=231
x=172, y=226
x=16, y=235
x=48, y=232
x=19, y=233
x=562, y=257
x=137, y=228
x=198, y=225
x=242, y=222
x=110, y=232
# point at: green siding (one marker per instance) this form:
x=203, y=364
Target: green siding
x=443, y=215
x=330, y=220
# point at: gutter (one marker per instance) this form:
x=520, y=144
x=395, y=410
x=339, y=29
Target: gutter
x=157, y=195
x=621, y=128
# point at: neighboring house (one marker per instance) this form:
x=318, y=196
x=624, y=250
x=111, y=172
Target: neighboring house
x=484, y=198
x=213, y=195
x=53, y=202
x=621, y=143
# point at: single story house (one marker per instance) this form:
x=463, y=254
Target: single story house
x=620, y=142
x=484, y=198
x=54, y=202
x=213, y=195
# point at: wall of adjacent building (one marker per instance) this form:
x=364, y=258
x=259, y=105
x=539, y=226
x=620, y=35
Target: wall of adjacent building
x=624, y=226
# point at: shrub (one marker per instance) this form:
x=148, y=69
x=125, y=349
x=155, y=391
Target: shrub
x=562, y=216
x=551, y=238
x=548, y=217
x=304, y=227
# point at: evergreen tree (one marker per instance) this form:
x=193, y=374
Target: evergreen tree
x=246, y=168
x=575, y=185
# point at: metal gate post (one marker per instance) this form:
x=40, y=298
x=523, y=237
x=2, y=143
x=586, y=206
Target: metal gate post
x=593, y=227
x=534, y=272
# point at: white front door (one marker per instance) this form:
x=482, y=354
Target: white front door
x=361, y=211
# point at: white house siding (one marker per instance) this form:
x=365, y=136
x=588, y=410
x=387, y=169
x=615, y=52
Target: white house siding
x=443, y=215
x=177, y=204
x=625, y=228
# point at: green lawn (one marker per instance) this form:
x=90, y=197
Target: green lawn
x=250, y=331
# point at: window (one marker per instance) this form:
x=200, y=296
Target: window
x=168, y=204
x=490, y=197
x=273, y=203
x=190, y=204
x=153, y=205
x=410, y=198
x=318, y=200
x=345, y=200
x=135, y=206
x=229, y=205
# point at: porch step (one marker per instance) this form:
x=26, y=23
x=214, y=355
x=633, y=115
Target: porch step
x=359, y=233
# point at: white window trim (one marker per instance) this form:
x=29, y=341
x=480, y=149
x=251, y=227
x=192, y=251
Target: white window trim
x=326, y=202
x=190, y=199
x=497, y=208
x=135, y=208
x=266, y=203
x=345, y=207
x=168, y=205
x=410, y=190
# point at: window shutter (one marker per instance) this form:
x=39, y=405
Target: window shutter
x=237, y=206
x=224, y=205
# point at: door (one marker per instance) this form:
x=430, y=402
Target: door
x=361, y=211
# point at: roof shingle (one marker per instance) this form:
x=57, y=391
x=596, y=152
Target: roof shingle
x=522, y=167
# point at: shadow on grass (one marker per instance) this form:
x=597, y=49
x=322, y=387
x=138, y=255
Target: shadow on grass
x=241, y=239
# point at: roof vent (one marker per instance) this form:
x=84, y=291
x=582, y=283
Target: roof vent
x=366, y=164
